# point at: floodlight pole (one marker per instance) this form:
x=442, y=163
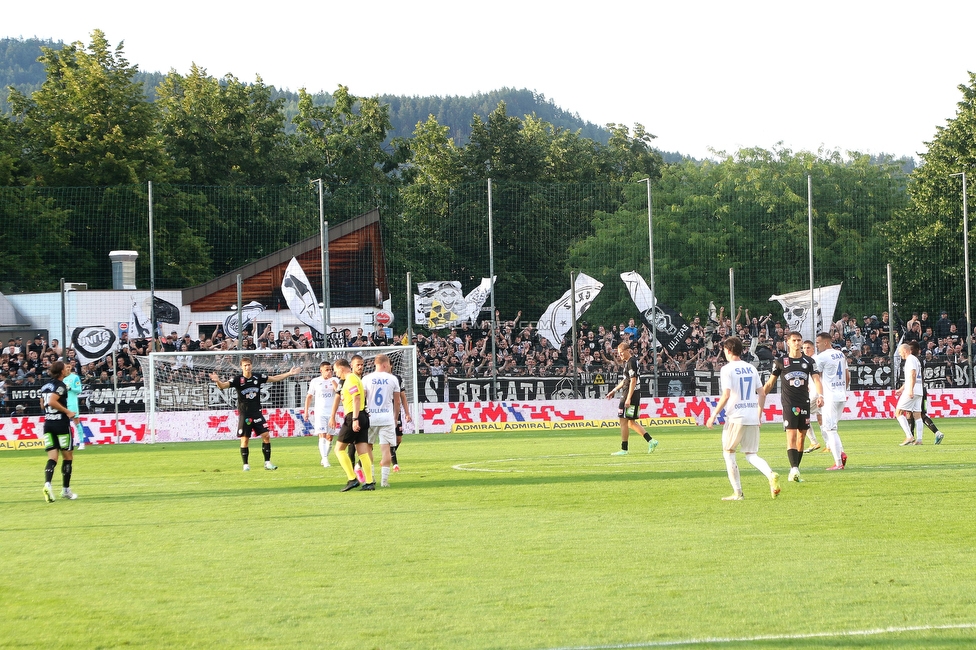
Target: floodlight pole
x=409, y=309
x=813, y=303
x=240, y=314
x=64, y=327
x=572, y=289
x=965, y=256
x=324, y=261
x=491, y=274
x=650, y=246
x=152, y=275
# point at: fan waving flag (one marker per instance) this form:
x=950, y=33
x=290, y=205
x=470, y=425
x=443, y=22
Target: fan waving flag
x=300, y=297
x=93, y=343
x=139, y=325
x=670, y=327
x=166, y=312
x=796, y=309
x=558, y=318
x=248, y=313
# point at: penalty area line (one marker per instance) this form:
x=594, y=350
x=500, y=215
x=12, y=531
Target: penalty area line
x=771, y=637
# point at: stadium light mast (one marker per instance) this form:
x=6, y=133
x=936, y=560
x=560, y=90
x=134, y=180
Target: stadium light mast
x=152, y=276
x=324, y=261
x=650, y=246
x=813, y=304
x=965, y=256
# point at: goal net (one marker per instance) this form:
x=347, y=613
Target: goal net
x=185, y=404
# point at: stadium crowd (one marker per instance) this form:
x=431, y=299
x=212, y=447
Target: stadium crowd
x=465, y=351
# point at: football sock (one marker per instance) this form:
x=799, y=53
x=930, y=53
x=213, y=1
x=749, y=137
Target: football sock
x=799, y=457
x=345, y=463
x=760, y=464
x=266, y=450
x=919, y=430
x=351, y=451
x=393, y=449
x=836, y=446
x=813, y=436
x=930, y=424
x=385, y=471
x=323, y=448
x=903, y=421
x=791, y=455
x=623, y=445
x=647, y=437
x=66, y=474
x=49, y=470
x=733, y=469
x=367, y=464
x=244, y=453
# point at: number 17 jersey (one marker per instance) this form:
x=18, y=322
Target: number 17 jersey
x=742, y=381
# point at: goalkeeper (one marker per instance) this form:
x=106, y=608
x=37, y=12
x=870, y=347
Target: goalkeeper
x=251, y=422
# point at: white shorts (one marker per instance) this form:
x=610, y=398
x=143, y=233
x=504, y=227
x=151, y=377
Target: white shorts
x=745, y=436
x=814, y=409
x=384, y=434
x=322, y=428
x=910, y=403
x=831, y=414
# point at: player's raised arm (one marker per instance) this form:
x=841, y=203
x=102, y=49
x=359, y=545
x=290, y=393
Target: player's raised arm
x=285, y=375
x=222, y=385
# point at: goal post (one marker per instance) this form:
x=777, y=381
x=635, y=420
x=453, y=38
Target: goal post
x=185, y=404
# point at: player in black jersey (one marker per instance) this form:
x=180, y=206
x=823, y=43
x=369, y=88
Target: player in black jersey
x=57, y=431
x=628, y=410
x=926, y=420
x=797, y=371
x=251, y=419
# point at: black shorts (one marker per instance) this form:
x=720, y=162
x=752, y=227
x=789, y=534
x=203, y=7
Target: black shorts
x=250, y=425
x=348, y=435
x=62, y=440
x=634, y=413
x=796, y=417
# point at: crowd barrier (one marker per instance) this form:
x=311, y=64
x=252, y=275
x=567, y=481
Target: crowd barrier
x=444, y=417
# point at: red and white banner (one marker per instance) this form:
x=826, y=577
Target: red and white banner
x=441, y=417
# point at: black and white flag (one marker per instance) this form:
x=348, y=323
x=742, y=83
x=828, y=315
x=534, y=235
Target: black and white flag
x=139, y=325
x=671, y=328
x=797, y=313
x=166, y=312
x=248, y=314
x=558, y=317
x=299, y=295
x=92, y=343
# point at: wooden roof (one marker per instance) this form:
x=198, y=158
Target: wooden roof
x=357, y=267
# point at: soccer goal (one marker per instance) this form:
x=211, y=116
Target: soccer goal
x=184, y=404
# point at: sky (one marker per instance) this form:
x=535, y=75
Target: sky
x=866, y=76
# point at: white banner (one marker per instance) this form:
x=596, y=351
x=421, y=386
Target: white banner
x=93, y=343
x=441, y=304
x=300, y=297
x=796, y=310
x=558, y=317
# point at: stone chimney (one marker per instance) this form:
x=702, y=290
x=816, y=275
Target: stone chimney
x=123, y=269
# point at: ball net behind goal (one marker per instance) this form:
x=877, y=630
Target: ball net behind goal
x=179, y=383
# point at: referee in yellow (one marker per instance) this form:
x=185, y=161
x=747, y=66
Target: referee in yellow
x=355, y=427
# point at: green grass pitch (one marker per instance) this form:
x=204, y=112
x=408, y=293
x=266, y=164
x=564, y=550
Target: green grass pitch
x=528, y=540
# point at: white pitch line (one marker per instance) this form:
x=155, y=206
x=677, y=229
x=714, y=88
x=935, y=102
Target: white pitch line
x=772, y=637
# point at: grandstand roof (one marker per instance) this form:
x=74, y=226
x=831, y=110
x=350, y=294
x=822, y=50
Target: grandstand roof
x=357, y=269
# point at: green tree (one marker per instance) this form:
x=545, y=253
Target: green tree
x=224, y=132
x=89, y=124
x=926, y=238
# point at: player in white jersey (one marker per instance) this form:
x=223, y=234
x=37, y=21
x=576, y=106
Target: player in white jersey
x=743, y=398
x=321, y=393
x=815, y=413
x=381, y=402
x=910, y=396
x=835, y=377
